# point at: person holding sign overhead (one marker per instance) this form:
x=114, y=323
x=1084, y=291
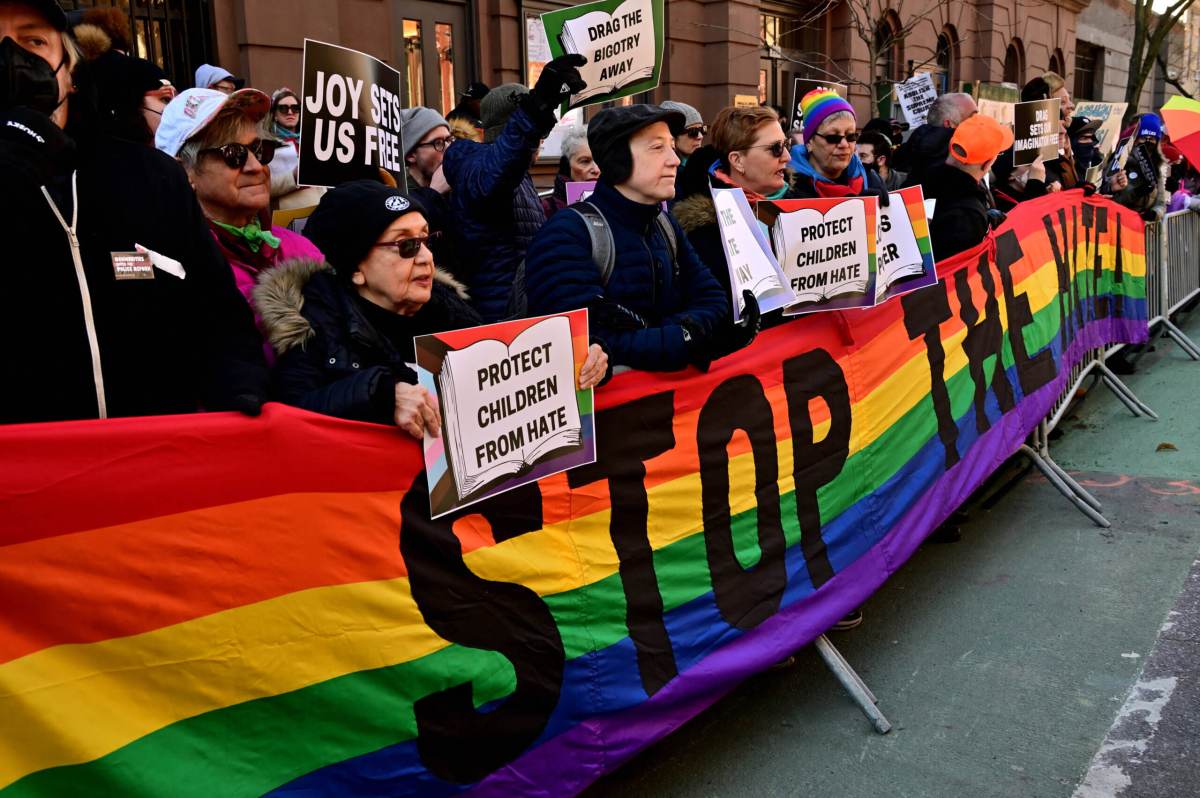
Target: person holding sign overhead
x=493, y=199
x=343, y=327
x=827, y=165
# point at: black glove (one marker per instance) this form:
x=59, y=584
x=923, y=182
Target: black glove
x=604, y=314
x=745, y=333
x=558, y=81
x=695, y=340
x=1088, y=189
x=246, y=403
x=1149, y=215
x=995, y=217
x=33, y=145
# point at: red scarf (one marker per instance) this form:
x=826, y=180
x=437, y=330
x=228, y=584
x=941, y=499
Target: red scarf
x=723, y=176
x=853, y=188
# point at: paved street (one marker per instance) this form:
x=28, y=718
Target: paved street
x=1040, y=657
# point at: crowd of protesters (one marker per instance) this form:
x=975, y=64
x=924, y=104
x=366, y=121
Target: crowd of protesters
x=101, y=155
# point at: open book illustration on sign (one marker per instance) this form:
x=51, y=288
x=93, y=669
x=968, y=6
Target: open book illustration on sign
x=826, y=253
x=523, y=402
x=619, y=47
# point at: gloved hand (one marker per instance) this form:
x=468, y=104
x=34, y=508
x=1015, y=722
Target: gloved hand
x=748, y=329
x=247, y=403
x=33, y=145
x=695, y=340
x=1150, y=215
x=996, y=217
x=608, y=315
x=558, y=81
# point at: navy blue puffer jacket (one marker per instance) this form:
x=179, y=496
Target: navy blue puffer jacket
x=495, y=208
x=560, y=275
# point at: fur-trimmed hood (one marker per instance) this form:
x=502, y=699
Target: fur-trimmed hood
x=279, y=299
x=694, y=212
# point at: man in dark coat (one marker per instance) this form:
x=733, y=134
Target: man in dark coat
x=94, y=328
x=928, y=146
x=495, y=207
x=661, y=309
x=960, y=216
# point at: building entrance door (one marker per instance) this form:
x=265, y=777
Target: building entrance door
x=435, y=51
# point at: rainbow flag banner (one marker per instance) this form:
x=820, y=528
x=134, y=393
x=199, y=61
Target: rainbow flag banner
x=226, y=606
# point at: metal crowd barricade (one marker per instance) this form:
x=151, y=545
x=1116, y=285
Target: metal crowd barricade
x=1180, y=271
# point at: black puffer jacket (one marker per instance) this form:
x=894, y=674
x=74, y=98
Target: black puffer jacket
x=960, y=217
x=163, y=344
x=332, y=359
x=927, y=148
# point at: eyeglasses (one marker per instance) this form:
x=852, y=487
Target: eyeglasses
x=289, y=108
x=438, y=144
x=696, y=132
x=235, y=155
x=835, y=139
x=409, y=247
x=777, y=149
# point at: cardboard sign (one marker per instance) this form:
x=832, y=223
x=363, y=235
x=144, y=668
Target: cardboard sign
x=511, y=412
x=745, y=101
x=916, y=95
x=1036, y=125
x=905, y=260
x=827, y=250
x=1002, y=112
x=801, y=87
x=748, y=256
x=1109, y=134
x=349, y=116
x=622, y=41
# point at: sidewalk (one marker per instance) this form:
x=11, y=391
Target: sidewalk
x=1002, y=660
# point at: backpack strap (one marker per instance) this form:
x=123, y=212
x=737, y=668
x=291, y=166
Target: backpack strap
x=667, y=231
x=604, y=254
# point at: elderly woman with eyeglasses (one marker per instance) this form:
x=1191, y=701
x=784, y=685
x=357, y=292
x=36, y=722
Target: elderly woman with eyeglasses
x=749, y=151
x=225, y=151
x=827, y=166
x=343, y=328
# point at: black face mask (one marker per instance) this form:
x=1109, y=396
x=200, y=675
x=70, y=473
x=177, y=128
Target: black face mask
x=27, y=80
x=1086, y=155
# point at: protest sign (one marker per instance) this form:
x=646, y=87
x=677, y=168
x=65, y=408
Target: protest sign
x=827, y=250
x=579, y=190
x=349, y=116
x=552, y=144
x=916, y=95
x=801, y=87
x=752, y=266
x=1001, y=111
x=745, y=101
x=1036, y=125
x=622, y=41
x=511, y=413
x=1109, y=134
x=904, y=256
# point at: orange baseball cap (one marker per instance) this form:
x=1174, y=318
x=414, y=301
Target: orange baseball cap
x=979, y=139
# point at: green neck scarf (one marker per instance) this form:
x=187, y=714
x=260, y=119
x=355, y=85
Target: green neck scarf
x=252, y=235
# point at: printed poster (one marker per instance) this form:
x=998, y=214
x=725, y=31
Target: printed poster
x=510, y=407
x=1035, y=126
x=915, y=96
x=905, y=259
x=827, y=250
x=349, y=116
x=748, y=256
x=622, y=41
x=1109, y=134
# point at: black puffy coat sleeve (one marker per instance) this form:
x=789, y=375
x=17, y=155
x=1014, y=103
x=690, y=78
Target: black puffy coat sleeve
x=300, y=379
x=231, y=367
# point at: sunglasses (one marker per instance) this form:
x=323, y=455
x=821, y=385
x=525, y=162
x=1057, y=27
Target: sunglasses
x=835, y=139
x=438, y=144
x=288, y=108
x=409, y=247
x=777, y=149
x=235, y=155
x=697, y=132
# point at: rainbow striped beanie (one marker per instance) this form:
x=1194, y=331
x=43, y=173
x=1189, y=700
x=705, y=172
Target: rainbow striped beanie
x=817, y=105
